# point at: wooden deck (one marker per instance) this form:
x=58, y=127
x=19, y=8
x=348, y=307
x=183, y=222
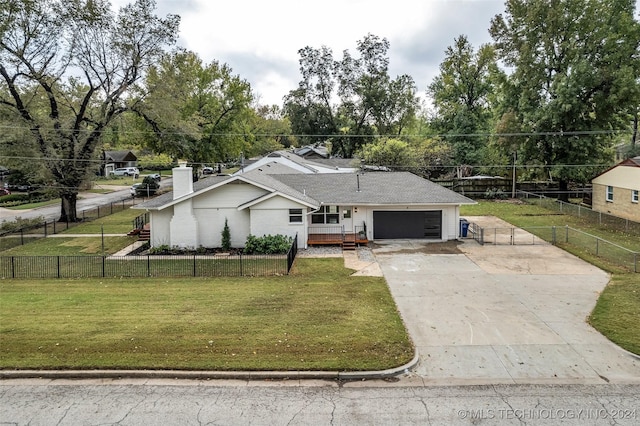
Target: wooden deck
x=348, y=240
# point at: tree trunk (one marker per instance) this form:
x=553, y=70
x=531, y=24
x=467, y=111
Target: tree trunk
x=68, y=207
x=563, y=187
x=634, y=135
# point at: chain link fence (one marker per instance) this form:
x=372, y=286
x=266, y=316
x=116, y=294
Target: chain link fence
x=559, y=235
x=577, y=210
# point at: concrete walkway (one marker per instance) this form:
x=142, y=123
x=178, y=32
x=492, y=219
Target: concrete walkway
x=502, y=314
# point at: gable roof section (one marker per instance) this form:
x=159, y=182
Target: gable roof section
x=301, y=164
x=629, y=162
x=313, y=190
x=119, y=156
x=260, y=177
x=377, y=188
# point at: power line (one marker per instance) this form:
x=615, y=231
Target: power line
x=339, y=135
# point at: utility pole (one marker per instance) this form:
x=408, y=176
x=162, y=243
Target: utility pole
x=513, y=185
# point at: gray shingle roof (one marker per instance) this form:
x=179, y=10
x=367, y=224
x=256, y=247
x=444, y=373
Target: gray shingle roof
x=374, y=188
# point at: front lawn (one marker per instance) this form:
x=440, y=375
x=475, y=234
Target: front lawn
x=618, y=311
x=63, y=246
x=116, y=223
x=316, y=318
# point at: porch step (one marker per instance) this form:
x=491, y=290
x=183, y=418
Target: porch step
x=348, y=245
x=144, y=235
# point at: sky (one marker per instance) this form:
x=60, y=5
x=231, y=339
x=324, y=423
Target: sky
x=260, y=39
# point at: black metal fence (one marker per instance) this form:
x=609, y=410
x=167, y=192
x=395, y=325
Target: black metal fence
x=39, y=267
x=138, y=266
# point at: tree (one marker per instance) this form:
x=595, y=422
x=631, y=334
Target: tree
x=67, y=70
x=196, y=110
x=391, y=153
x=266, y=130
x=350, y=101
x=575, y=66
x=461, y=95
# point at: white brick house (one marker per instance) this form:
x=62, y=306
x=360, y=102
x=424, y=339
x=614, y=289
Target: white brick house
x=275, y=199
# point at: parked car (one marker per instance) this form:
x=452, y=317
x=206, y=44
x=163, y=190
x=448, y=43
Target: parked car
x=207, y=170
x=126, y=171
x=147, y=188
x=154, y=176
x=4, y=191
x=133, y=189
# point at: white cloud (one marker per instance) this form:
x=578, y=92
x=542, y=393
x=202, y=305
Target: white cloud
x=260, y=39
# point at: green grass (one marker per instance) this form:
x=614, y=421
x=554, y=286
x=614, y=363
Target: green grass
x=116, y=180
x=618, y=311
x=117, y=223
x=62, y=246
x=317, y=318
x=35, y=205
x=619, y=305
x=528, y=215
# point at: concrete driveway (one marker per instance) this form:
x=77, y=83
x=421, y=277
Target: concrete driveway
x=502, y=314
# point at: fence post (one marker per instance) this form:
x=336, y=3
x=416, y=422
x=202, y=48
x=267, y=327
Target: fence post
x=103, y=262
x=597, y=246
x=148, y=266
x=553, y=235
x=98, y=212
x=512, y=236
x=111, y=206
x=241, y=273
x=13, y=267
x=566, y=237
x=194, y=264
x=58, y=259
x=21, y=237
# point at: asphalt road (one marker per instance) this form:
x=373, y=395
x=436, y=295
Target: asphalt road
x=86, y=201
x=138, y=402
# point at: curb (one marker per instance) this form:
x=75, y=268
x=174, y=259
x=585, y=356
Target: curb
x=209, y=375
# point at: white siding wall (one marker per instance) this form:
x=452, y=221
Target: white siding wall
x=211, y=224
x=271, y=217
x=159, y=222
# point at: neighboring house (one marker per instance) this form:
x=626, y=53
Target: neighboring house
x=312, y=151
x=301, y=164
x=112, y=160
x=320, y=208
x=615, y=191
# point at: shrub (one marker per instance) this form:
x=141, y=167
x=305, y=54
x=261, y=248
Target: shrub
x=226, y=236
x=18, y=223
x=495, y=194
x=267, y=244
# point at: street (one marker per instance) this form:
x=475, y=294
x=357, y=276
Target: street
x=184, y=402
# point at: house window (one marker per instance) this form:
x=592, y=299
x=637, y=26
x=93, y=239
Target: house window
x=634, y=196
x=346, y=213
x=609, y=193
x=295, y=215
x=326, y=214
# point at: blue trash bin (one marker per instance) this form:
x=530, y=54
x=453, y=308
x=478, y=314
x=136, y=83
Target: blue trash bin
x=464, y=227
